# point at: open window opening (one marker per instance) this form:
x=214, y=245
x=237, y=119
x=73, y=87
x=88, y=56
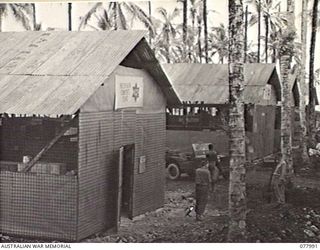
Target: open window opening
x=41, y=145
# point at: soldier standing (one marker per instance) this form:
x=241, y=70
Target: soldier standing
x=202, y=180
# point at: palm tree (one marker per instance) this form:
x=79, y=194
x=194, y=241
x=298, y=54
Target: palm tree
x=114, y=16
x=218, y=41
x=194, y=6
x=70, y=16
x=184, y=25
x=302, y=80
x=167, y=30
x=312, y=90
x=246, y=34
x=205, y=27
x=20, y=11
x=259, y=28
x=151, y=33
x=286, y=54
x=185, y=20
x=199, y=22
x=273, y=22
x=196, y=14
x=237, y=187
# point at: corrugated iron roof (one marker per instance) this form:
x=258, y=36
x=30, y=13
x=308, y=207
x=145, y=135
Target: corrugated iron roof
x=54, y=73
x=209, y=82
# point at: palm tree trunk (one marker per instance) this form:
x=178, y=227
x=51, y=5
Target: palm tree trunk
x=286, y=137
x=246, y=34
x=237, y=186
x=259, y=28
x=286, y=51
x=303, y=142
x=185, y=28
x=312, y=90
x=115, y=15
x=70, y=16
x=205, y=26
x=199, y=39
x=193, y=32
x=168, y=48
x=266, y=21
x=185, y=21
x=150, y=15
x=34, y=18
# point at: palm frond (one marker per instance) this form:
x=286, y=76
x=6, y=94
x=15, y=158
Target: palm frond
x=122, y=18
x=163, y=12
x=141, y=16
x=20, y=14
x=175, y=13
x=86, y=18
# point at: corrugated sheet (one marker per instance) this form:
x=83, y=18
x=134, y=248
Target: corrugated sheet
x=209, y=82
x=54, y=73
x=49, y=95
x=41, y=206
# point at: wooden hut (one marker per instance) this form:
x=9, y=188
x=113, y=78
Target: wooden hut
x=205, y=86
x=82, y=128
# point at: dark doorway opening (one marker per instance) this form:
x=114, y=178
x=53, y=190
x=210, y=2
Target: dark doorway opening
x=127, y=181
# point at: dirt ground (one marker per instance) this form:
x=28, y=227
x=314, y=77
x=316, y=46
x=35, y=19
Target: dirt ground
x=297, y=221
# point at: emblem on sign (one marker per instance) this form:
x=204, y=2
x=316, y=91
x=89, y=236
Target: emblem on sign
x=135, y=94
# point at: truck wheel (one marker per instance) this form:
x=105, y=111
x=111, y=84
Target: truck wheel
x=173, y=171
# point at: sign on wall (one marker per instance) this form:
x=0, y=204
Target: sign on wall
x=142, y=164
x=128, y=91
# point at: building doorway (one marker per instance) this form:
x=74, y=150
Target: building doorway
x=125, y=190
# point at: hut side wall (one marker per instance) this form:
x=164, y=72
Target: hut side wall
x=101, y=135
x=97, y=174
x=261, y=137
x=149, y=187
x=102, y=131
x=38, y=205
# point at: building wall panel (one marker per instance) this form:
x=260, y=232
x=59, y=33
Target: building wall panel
x=98, y=165
x=150, y=142
x=96, y=173
x=38, y=205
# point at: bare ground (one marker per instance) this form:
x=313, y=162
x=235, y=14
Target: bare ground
x=297, y=221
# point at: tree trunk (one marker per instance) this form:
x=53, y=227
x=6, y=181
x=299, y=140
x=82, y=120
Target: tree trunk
x=312, y=89
x=185, y=21
x=168, y=49
x=286, y=52
x=34, y=17
x=303, y=139
x=205, y=26
x=259, y=28
x=115, y=15
x=237, y=187
x=246, y=34
x=70, y=16
x=199, y=40
x=266, y=21
x=150, y=16
x=185, y=28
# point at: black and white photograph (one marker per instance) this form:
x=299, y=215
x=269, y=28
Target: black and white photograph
x=163, y=121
